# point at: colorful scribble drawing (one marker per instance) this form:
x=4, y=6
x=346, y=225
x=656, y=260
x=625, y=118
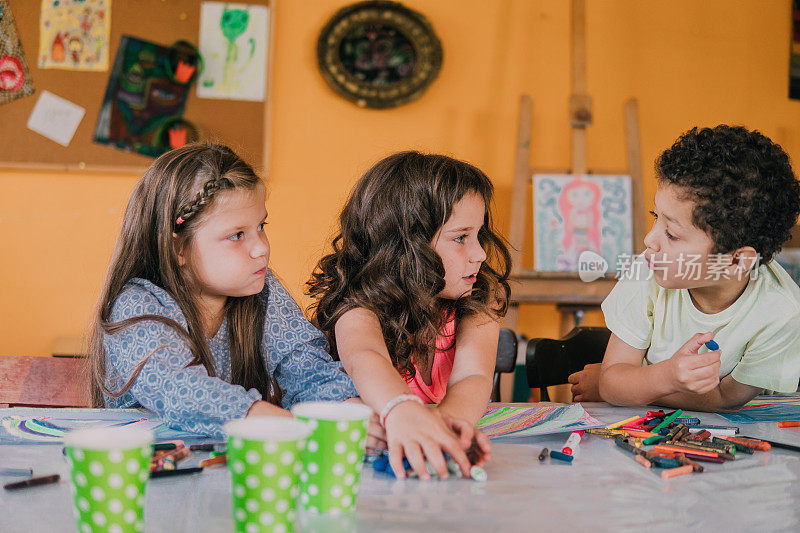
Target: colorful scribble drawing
x=574, y=214
x=36, y=425
x=233, y=43
x=73, y=34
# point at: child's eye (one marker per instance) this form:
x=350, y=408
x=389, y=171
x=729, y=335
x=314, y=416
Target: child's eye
x=261, y=226
x=460, y=239
x=654, y=214
x=670, y=236
x=236, y=236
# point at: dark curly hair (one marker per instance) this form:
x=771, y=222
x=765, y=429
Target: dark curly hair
x=742, y=183
x=383, y=260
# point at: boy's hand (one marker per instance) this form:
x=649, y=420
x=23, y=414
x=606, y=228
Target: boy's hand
x=693, y=372
x=586, y=384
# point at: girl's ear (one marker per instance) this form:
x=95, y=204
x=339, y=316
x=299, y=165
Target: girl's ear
x=180, y=249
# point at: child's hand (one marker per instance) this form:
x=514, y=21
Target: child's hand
x=376, y=435
x=419, y=434
x=473, y=440
x=693, y=372
x=586, y=384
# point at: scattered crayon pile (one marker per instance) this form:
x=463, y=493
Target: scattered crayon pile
x=167, y=456
x=678, y=443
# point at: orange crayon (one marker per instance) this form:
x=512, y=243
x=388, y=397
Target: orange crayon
x=679, y=471
x=789, y=424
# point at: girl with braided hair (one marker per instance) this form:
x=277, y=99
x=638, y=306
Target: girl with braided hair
x=191, y=323
x=411, y=299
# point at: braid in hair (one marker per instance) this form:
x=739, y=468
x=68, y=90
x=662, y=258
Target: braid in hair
x=203, y=197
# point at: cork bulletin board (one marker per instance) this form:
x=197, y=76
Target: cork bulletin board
x=241, y=124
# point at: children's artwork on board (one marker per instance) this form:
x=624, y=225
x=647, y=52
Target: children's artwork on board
x=73, y=34
x=15, y=78
x=233, y=44
x=55, y=118
x=145, y=96
x=35, y=425
x=577, y=214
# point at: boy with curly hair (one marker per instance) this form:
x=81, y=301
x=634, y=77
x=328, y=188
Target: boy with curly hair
x=726, y=200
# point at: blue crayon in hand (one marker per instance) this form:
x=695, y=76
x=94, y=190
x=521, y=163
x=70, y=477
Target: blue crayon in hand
x=712, y=345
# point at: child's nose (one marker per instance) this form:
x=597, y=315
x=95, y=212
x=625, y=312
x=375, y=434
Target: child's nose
x=479, y=254
x=259, y=249
x=650, y=240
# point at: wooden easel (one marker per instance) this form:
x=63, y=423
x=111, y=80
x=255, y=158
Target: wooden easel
x=571, y=295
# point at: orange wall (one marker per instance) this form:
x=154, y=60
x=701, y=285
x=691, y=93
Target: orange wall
x=689, y=63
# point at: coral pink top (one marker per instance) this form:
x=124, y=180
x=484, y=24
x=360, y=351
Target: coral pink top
x=441, y=369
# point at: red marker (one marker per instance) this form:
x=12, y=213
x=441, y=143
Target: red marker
x=571, y=446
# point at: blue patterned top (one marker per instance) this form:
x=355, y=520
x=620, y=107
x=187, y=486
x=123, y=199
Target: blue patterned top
x=296, y=354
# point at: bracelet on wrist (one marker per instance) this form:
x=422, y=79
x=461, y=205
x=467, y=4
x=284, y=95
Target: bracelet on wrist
x=394, y=402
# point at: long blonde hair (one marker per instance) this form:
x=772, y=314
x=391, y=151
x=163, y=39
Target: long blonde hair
x=181, y=184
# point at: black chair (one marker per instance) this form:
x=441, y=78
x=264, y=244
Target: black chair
x=550, y=361
x=506, y=359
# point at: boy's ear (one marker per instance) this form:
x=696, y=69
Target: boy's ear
x=745, y=259
x=178, y=244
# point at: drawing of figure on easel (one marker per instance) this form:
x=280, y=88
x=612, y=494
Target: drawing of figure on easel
x=580, y=206
x=574, y=214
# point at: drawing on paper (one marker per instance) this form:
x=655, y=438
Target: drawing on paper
x=74, y=34
x=233, y=44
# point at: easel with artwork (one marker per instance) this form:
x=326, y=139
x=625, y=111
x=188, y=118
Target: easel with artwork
x=565, y=289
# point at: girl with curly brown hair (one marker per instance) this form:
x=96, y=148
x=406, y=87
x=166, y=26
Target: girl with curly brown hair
x=411, y=300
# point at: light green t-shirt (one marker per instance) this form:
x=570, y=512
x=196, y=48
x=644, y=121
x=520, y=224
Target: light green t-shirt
x=758, y=335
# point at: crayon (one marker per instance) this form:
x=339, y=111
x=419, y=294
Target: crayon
x=640, y=434
x=679, y=449
x=643, y=461
x=543, y=454
x=712, y=345
x=789, y=424
x=781, y=445
x=176, y=472
x=701, y=435
x=32, y=482
x=16, y=471
x=561, y=456
x=621, y=423
x=703, y=458
x=653, y=440
x=689, y=421
x=667, y=420
x=686, y=461
x=663, y=462
x=627, y=446
x=737, y=447
x=677, y=471
x=635, y=423
x=209, y=447
x=218, y=460
x=753, y=443
x=172, y=445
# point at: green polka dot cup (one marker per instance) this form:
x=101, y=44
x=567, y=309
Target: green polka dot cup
x=333, y=457
x=265, y=460
x=109, y=469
